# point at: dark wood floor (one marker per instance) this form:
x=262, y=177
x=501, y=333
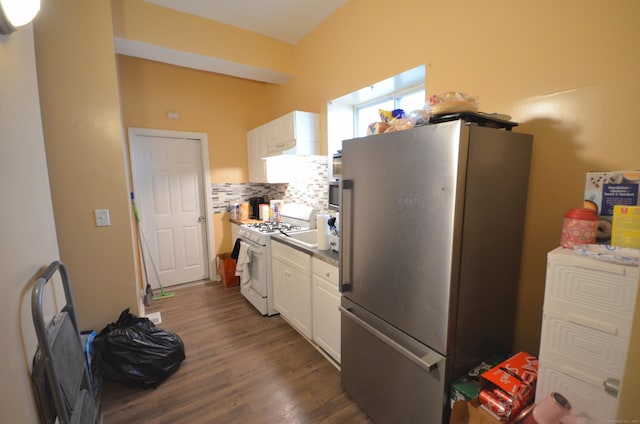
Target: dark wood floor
x=240, y=367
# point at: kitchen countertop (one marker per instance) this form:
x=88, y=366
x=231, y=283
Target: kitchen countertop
x=245, y=221
x=328, y=256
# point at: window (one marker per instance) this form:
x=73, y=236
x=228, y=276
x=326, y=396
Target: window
x=350, y=115
x=369, y=112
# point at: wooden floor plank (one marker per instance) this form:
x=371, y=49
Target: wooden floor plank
x=240, y=367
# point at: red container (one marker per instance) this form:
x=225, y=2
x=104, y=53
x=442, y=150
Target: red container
x=493, y=404
x=227, y=270
x=579, y=227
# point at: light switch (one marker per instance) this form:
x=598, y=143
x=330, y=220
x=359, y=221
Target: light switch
x=102, y=218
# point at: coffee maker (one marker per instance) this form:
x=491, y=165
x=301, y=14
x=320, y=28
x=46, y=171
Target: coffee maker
x=254, y=206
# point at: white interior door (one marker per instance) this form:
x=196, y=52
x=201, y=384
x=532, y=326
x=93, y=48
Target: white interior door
x=168, y=184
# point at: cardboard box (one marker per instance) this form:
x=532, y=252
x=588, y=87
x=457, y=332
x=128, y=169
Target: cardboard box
x=604, y=190
x=626, y=226
x=515, y=381
x=227, y=270
x=470, y=412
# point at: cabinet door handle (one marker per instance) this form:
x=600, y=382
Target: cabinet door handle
x=611, y=386
x=591, y=323
x=603, y=267
x=581, y=375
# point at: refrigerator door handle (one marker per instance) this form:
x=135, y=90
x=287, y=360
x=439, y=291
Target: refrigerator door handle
x=346, y=211
x=428, y=361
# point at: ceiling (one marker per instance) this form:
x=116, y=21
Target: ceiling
x=284, y=20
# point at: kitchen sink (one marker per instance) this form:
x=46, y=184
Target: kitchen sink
x=308, y=238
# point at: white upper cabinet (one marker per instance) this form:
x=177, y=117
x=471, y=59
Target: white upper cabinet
x=294, y=134
x=255, y=153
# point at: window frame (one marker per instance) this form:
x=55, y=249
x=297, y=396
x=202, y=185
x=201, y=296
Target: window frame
x=340, y=111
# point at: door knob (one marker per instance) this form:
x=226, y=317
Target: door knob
x=201, y=219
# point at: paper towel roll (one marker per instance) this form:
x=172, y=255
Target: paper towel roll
x=322, y=229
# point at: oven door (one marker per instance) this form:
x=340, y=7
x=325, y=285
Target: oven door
x=256, y=290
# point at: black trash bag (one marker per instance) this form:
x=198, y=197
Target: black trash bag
x=135, y=352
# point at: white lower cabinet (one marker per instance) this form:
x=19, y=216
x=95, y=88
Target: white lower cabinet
x=326, y=300
x=588, y=312
x=305, y=293
x=292, y=286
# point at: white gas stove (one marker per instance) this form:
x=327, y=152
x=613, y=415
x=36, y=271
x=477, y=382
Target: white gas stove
x=260, y=232
x=259, y=288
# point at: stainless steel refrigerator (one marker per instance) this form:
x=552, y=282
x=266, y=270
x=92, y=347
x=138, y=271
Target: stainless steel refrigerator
x=431, y=230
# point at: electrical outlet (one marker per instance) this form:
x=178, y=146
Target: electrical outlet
x=102, y=218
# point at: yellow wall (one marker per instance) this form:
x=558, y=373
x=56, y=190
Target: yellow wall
x=148, y=23
x=567, y=71
x=85, y=155
x=223, y=107
x=27, y=226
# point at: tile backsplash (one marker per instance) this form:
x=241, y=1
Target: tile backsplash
x=311, y=189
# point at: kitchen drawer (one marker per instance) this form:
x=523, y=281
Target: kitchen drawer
x=581, y=344
x=587, y=397
x=292, y=257
x=602, y=291
x=326, y=271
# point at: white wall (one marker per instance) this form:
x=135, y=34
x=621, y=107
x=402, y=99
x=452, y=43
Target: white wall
x=27, y=228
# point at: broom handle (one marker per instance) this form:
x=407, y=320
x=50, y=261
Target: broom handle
x=144, y=240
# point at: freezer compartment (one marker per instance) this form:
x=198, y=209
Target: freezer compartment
x=391, y=376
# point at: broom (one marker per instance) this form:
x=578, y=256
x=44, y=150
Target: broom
x=148, y=292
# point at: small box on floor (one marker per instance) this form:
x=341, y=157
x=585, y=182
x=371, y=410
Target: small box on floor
x=227, y=270
x=470, y=412
x=509, y=387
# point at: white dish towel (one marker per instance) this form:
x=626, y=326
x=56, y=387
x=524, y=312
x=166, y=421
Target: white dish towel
x=243, y=263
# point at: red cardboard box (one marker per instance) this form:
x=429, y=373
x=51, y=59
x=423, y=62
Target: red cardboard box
x=509, y=386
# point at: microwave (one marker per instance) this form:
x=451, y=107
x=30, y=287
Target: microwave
x=334, y=196
x=335, y=167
